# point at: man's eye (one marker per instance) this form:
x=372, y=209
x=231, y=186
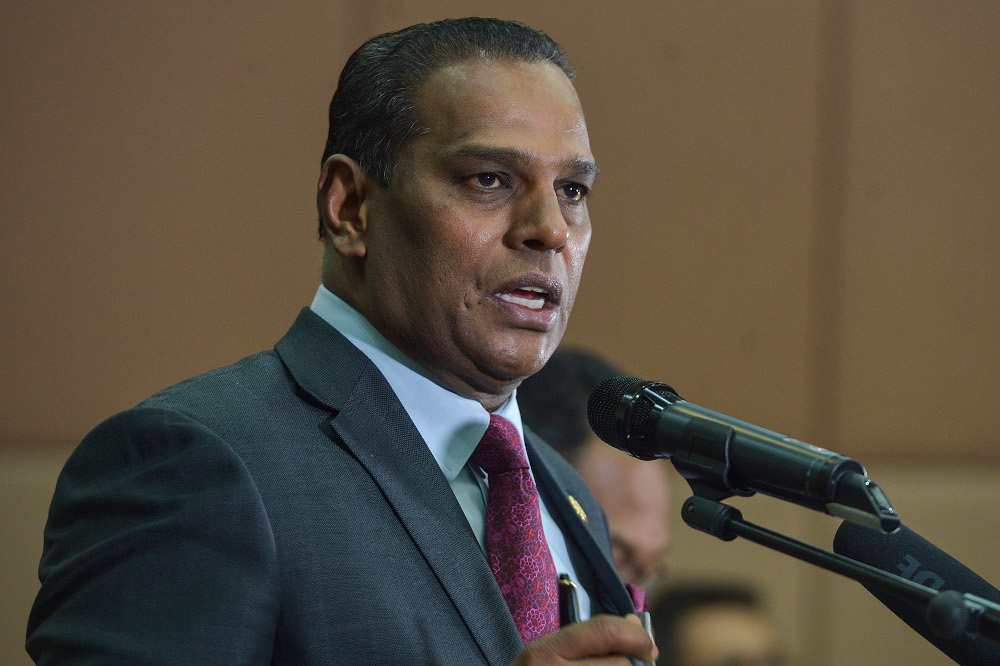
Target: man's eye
x=573, y=191
x=488, y=181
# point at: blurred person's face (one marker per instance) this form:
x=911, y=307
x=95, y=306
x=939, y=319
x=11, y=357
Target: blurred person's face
x=727, y=634
x=636, y=498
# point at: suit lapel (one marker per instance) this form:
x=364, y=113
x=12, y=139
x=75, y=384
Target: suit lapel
x=587, y=535
x=372, y=425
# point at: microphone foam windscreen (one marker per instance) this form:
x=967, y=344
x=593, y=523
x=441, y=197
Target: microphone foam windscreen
x=908, y=555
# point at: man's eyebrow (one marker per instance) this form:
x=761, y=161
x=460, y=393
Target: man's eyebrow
x=583, y=166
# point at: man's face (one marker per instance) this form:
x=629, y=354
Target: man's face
x=475, y=249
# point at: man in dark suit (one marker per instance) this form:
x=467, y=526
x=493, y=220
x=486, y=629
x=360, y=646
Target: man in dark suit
x=319, y=503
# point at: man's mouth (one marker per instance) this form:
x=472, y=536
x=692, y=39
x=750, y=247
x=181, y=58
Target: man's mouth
x=529, y=297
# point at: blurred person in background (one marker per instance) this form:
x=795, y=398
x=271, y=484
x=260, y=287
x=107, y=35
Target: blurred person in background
x=634, y=493
x=714, y=624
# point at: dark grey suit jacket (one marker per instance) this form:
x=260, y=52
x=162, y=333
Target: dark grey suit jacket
x=282, y=510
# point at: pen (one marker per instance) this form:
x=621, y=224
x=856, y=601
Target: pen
x=569, y=605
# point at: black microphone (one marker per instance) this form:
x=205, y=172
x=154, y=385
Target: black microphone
x=944, y=621
x=728, y=457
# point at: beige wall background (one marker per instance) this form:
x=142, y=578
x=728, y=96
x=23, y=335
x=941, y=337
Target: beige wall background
x=795, y=224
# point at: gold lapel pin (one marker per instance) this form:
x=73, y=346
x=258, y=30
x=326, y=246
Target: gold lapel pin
x=579, y=509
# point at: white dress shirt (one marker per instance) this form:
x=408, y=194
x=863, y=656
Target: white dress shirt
x=450, y=424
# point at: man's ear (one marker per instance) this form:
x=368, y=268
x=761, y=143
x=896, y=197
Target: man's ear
x=341, y=195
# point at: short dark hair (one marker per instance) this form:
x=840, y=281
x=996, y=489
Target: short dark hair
x=676, y=602
x=372, y=113
x=553, y=401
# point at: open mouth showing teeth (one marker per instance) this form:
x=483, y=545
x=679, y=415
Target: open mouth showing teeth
x=529, y=297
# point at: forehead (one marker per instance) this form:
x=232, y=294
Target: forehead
x=503, y=102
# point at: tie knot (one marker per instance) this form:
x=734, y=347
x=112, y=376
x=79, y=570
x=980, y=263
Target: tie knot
x=500, y=448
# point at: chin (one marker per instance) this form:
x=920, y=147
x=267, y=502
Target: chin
x=520, y=361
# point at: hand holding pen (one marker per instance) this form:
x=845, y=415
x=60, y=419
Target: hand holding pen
x=601, y=639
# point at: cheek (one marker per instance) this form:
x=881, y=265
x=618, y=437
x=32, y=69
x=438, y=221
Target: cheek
x=425, y=248
x=445, y=270
x=579, y=245
x=583, y=244
x=574, y=273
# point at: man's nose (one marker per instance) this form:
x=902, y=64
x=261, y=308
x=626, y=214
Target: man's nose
x=540, y=223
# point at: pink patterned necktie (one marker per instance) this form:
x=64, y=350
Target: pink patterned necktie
x=515, y=543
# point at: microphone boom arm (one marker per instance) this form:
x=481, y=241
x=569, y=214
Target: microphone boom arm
x=949, y=613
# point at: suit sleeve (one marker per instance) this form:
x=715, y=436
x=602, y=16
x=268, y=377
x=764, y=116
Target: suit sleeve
x=157, y=551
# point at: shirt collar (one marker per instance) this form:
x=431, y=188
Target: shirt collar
x=450, y=424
